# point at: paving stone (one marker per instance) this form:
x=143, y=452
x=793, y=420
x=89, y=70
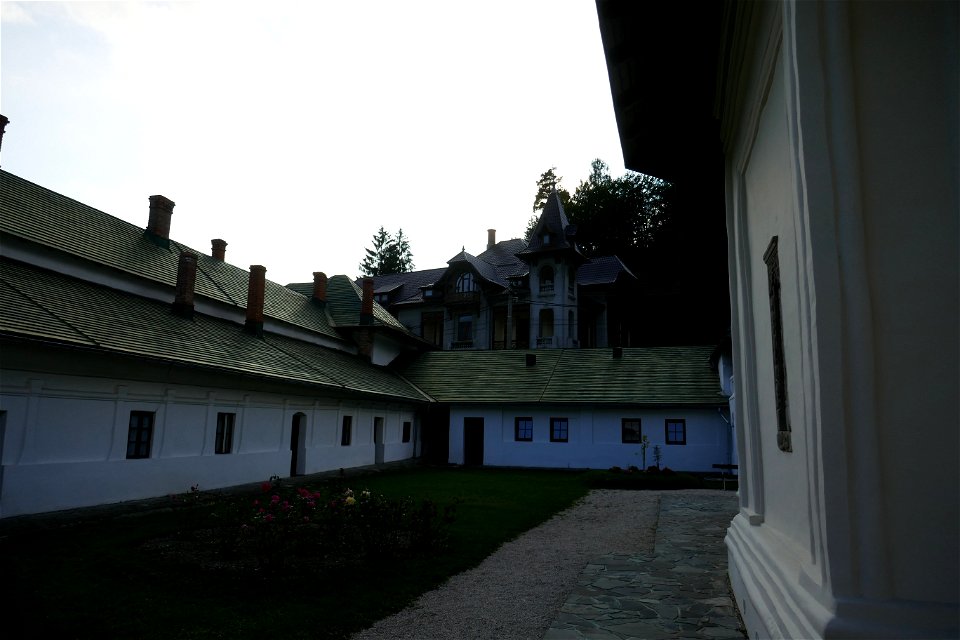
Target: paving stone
x=679, y=591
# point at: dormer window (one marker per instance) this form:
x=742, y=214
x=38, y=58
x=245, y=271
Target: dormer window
x=428, y=293
x=545, y=238
x=466, y=283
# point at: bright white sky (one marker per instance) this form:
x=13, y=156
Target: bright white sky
x=294, y=130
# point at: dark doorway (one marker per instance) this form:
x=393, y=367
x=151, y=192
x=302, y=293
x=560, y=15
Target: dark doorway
x=298, y=437
x=378, y=447
x=473, y=441
x=436, y=435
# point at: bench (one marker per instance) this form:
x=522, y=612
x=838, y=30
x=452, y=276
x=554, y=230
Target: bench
x=723, y=472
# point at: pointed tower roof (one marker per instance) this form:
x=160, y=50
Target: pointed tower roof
x=553, y=232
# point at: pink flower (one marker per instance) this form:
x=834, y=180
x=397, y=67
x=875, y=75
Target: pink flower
x=268, y=517
x=274, y=499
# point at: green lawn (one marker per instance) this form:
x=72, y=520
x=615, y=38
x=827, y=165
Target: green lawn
x=105, y=578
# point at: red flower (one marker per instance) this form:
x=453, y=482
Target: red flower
x=274, y=499
x=268, y=517
x=265, y=487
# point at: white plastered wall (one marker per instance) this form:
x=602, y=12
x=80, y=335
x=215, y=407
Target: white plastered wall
x=65, y=439
x=844, y=144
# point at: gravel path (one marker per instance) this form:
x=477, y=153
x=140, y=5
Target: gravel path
x=516, y=592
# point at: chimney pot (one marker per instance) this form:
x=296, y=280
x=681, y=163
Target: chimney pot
x=491, y=238
x=617, y=353
x=320, y=287
x=4, y=121
x=186, y=282
x=366, y=308
x=531, y=359
x=158, y=225
x=255, y=294
x=218, y=249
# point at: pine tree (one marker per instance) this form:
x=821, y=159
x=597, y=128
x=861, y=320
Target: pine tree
x=388, y=254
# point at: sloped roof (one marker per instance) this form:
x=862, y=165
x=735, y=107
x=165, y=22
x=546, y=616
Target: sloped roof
x=484, y=269
x=59, y=309
x=602, y=270
x=45, y=217
x=344, y=299
x=554, y=220
x=660, y=376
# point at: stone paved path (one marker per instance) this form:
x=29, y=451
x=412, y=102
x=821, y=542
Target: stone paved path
x=678, y=591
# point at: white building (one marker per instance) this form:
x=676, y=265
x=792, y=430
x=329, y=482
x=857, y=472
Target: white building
x=134, y=367
x=834, y=129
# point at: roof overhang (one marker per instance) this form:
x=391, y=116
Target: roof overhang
x=662, y=60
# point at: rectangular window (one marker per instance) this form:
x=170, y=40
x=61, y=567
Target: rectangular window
x=406, y=432
x=559, y=429
x=224, y=442
x=772, y=259
x=523, y=429
x=140, y=434
x=346, y=433
x=465, y=327
x=675, y=432
x=431, y=327
x=630, y=430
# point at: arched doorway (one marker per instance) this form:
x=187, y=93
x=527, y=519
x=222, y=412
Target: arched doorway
x=298, y=444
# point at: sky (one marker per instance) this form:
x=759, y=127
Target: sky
x=295, y=130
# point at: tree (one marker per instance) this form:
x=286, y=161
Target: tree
x=545, y=185
x=614, y=216
x=389, y=254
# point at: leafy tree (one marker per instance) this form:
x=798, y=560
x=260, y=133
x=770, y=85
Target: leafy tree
x=618, y=216
x=389, y=254
x=548, y=182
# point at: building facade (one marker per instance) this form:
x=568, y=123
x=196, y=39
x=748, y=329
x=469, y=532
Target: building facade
x=837, y=128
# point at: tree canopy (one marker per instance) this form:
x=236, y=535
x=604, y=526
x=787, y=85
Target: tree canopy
x=614, y=216
x=389, y=254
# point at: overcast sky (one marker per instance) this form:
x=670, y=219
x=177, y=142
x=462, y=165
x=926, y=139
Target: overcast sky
x=295, y=130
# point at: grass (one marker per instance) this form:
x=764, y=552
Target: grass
x=101, y=577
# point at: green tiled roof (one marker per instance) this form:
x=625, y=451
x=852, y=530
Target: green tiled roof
x=661, y=376
x=49, y=306
x=43, y=216
x=344, y=299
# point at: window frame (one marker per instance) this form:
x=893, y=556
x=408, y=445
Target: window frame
x=466, y=283
x=223, y=441
x=547, y=278
x=771, y=258
x=623, y=430
x=683, y=430
x=556, y=430
x=528, y=431
x=346, y=431
x=465, y=320
x=145, y=423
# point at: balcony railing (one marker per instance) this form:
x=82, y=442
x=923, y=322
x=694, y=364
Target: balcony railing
x=545, y=342
x=546, y=288
x=461, y=344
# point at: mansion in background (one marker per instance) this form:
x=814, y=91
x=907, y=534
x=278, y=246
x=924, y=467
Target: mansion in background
x=544, y=294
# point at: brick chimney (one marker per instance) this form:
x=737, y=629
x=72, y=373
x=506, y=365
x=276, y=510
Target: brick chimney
x=4, y=121
x=158, y=226
x=186, y=281
x=366, y=308
x=218, y=249
x=320, y=287
x=255, y=289
x=491, y=238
